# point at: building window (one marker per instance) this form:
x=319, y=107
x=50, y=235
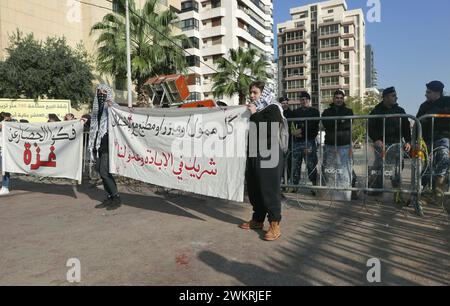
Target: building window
x=346, y=55
x=216, y=3
x=189, y=24
x=346, y=29
x=188, y=6
x=328, y=43
x=191, y=42
x=121, y=82
x=346, y=42
x=216, y=22
x=329, y=81
x=118, y=7
x=193, y=61
x=329, y=30
x=330, y=55
x=330, y=11
x=330, y=68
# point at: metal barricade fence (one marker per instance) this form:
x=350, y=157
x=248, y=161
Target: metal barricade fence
x=335, y=168
x=435, y=153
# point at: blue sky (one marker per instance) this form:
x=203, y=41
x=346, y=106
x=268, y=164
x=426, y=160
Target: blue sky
x=411, y=44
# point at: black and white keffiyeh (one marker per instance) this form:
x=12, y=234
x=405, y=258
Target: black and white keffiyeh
x=99, y=129
x=267, y=98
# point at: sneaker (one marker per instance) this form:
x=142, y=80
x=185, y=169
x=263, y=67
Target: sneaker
x=4, y=191
x=115, y=203
x=104, y=204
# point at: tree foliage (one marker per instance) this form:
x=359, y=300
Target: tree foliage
x=34, y=69
x=237, y=73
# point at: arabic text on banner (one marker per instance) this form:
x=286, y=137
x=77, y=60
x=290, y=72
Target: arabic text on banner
x=202, y=151
x=43, y=149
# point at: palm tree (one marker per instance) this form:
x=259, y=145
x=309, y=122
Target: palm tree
x=236, y=74
x=152, y=43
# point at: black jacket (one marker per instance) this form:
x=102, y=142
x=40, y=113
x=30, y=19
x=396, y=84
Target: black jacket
x=344, y=127
x=268, y=115
x=313, y=126
x=441, y=125
x=392, y=126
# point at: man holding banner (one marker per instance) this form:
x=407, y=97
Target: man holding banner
x=99, y=145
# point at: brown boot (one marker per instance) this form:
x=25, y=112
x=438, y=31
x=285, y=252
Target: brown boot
x=252, y=225
x=274, y=232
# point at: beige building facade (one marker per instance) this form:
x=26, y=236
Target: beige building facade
x=322, y=49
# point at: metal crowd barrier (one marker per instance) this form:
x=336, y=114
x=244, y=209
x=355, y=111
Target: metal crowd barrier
x=433, y=150
x=360, y=161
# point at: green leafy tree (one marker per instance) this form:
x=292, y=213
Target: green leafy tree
x=51, y=69
x=361, y=107
x=237, y=73
x=152, y=43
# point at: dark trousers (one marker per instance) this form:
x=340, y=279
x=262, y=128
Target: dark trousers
x=264, y=189
x=102, y=167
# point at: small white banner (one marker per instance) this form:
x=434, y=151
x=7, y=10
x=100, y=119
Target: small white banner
x=43, y=149
x=199, y=150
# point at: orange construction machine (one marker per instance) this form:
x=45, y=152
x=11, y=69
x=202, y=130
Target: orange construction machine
x=172, y=91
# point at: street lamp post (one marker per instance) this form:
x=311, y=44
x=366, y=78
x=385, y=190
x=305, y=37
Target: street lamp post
x=130, y=97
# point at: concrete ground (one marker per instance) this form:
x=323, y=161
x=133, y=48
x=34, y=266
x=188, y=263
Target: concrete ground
x=181, y=239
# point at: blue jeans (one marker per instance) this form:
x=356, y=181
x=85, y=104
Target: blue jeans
x=6, y=180
x=337, y=166
x=441, y=161
x=306, y=151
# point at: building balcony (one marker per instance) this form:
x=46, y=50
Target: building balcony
x=213, y=13
x=296, y=65
x=293, y=53
x=331, y=74
x=330, y=48
x=291, y=42
x=349, y=35
x=296, y=77
x=333, y=87
x=214, y=50
x=213, y=32
x=292, y=90
x=349, y=48
x=329, y=35
x=330, y=61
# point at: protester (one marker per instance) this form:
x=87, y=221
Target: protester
x=99, y=145
x=389, y=133
x=264, y=181
x=6, y=179
x=69, y=117
x=304, y=144
x=437, y=136
x=338, y=144
x=53, y=118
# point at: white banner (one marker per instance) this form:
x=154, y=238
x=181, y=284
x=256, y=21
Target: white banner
x=199, y=150
x=43, y=149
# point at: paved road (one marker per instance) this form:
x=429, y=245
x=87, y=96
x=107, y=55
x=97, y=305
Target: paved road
x=180, y=239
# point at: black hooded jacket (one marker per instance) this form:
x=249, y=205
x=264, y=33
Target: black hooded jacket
x=392, y=126
x=441, y=125
x=343, y=127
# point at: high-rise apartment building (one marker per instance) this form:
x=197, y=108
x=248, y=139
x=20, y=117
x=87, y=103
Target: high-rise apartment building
x=371, y=72
x=216, y=26
x=320, y=50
